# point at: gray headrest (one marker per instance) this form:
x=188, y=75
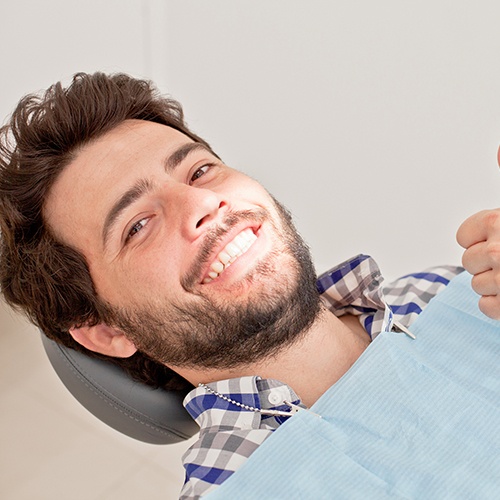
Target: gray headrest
x=137, y=410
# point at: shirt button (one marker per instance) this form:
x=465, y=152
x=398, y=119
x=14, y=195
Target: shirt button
x=276, y=397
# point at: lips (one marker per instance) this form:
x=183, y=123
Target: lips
x=232, y=251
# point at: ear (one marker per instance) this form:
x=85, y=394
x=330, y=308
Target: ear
x=104, y=339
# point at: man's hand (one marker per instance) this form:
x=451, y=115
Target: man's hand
x=480, y=236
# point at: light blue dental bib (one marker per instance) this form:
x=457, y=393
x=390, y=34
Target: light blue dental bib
x=411, y=419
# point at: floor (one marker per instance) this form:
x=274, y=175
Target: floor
x=52, y=448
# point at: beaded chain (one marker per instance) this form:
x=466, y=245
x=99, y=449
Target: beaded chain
x=274, y=413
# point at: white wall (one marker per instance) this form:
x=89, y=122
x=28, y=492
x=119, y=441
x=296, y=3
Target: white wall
x=376, y=122
x=43, y=42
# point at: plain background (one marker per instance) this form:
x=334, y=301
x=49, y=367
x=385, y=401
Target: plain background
x=376, y=123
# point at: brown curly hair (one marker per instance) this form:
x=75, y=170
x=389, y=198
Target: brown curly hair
x=46, y=279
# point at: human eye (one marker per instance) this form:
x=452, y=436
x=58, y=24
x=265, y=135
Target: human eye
x=136, y=228
x=200, y=172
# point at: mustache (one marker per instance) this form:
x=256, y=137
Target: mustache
x=213, y=238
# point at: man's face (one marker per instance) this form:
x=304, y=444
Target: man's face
x=195, y=260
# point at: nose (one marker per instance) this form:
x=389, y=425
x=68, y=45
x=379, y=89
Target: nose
x=198, y=208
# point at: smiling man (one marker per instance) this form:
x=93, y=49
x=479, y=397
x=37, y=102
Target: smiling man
x=184, y=251
x=124, y=235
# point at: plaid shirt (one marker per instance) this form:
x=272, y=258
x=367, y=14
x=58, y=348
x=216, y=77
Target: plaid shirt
x=229, y=434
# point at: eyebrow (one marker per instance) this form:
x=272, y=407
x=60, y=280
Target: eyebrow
x=177, y=157
x=143, y=186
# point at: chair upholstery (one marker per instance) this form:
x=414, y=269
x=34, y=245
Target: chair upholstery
x=151, y=415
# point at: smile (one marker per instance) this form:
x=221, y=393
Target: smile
x=234, y=249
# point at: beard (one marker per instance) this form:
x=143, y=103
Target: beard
x=213, y=333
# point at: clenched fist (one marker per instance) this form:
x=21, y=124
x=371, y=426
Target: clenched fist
x=480, y=236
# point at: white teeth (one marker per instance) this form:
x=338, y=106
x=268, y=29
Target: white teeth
x=241, y=241
x=224, y=257
x=218, y=267
x=232, y=249
x=240, y=244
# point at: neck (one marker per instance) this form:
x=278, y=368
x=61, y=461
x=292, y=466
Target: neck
x=310, y=366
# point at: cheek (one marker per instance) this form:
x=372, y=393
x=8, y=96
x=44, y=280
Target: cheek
x=145, y=280
x=245, y=189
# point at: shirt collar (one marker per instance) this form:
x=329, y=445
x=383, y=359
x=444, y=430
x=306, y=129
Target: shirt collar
x=251, y=391
x=354, y=286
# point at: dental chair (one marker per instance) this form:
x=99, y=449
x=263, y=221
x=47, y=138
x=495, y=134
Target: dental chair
x=150, y=415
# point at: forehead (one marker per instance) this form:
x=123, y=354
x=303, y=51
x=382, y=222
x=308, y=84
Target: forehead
x=101, y=172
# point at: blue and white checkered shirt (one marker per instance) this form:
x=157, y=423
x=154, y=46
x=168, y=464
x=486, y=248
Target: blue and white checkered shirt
x=229, y=434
